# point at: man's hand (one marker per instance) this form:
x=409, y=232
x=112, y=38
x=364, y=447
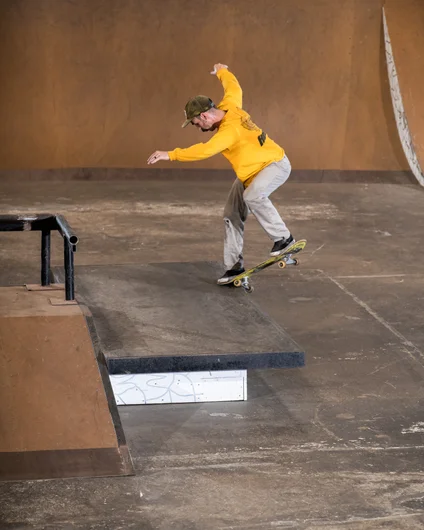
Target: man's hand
x=217, y=67
x=156, y=156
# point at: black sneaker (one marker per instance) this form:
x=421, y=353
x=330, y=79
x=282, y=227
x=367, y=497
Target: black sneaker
x=281, y=245
x=229, y=275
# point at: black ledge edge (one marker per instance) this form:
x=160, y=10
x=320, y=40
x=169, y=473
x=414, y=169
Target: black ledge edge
x=204, y=363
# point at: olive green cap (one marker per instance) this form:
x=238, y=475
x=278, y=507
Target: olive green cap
x=195, y=106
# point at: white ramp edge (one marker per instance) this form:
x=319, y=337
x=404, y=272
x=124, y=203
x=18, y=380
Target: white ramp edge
x=180, y=387
x=399, y=110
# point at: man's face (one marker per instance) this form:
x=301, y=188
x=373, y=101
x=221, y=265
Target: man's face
x=203, y=122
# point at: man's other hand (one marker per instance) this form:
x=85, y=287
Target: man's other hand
x=156, y=156
x=217, y=67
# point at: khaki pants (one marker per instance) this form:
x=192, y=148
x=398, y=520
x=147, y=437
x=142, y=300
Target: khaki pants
x=255, y=199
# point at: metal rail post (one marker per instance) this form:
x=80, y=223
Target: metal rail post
x=45, y=257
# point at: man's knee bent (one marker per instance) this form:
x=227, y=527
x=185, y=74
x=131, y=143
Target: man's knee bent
x=255, y=200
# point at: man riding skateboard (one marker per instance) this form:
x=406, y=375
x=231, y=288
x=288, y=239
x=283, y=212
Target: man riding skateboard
x=260, y=164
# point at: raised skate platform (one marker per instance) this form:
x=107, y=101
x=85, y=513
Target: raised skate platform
x=57, y=411
x=172, y=318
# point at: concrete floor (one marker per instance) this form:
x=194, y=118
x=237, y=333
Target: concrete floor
x=337, y=444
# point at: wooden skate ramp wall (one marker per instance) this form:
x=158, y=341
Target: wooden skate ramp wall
x=104, y=83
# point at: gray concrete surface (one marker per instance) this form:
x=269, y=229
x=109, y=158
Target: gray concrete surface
x=170, y=317
x=337, y=444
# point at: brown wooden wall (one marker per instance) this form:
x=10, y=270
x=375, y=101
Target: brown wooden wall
x=103, y=83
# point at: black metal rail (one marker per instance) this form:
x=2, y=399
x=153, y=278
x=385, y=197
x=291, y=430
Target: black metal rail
x=46, y=222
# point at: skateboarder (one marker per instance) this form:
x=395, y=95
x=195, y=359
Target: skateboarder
x=260, y=164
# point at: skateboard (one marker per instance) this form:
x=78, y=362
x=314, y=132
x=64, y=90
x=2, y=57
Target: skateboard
x=283, y=259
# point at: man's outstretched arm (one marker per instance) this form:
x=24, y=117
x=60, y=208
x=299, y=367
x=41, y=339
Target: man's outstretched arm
x=232, y=89
x=218, y=143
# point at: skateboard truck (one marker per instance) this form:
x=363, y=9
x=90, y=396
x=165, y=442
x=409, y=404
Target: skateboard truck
x=288, y=261
x=244, y=282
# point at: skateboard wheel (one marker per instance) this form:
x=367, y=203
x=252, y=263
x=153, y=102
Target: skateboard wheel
x=296, y=261
x=249, y=289
x=282, y=264
x=237, y=283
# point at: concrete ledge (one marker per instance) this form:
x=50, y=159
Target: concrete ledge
x=172, y=317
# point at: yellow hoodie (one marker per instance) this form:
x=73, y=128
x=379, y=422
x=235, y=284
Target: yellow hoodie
x=244, y=144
